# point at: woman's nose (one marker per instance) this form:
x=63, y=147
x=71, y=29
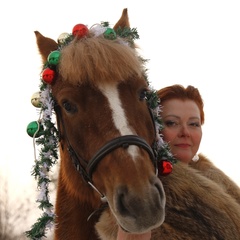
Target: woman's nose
x=184, y=131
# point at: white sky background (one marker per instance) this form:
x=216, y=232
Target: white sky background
x=187, y=42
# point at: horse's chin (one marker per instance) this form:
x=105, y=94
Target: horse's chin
x=108, y=229
x=132, y=229
x=124, y=235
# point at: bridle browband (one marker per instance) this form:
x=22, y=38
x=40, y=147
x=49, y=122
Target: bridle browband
x=86, y=168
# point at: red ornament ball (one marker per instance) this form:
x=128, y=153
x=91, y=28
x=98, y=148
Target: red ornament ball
x=48, y=75
x=164, y=168
x=80, y=30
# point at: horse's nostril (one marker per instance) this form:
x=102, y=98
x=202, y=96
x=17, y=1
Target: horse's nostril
x=121, y=208
x=156, y=183
x=121, y=201
x=160, y=190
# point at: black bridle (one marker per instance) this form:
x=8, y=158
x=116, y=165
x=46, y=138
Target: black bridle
x=86, y=168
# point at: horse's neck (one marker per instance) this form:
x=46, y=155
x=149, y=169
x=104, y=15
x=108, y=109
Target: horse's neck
x=72, y=216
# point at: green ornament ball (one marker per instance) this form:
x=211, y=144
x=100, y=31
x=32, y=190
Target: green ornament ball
x=53, y=57
x=110, y=34
x=32, y=128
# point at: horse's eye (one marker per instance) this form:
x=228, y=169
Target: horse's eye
x=69, y=107
x=143, y=95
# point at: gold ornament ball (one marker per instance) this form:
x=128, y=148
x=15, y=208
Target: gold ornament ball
x=35, y=100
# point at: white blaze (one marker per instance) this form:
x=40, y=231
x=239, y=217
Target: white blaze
x=118, y=114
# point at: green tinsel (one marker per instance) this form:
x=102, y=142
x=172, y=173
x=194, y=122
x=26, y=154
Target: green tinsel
x=48, y=156
x=38, y=230
x=130, y=34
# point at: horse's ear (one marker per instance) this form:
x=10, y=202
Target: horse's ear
x=45, y=45
x=123, y=21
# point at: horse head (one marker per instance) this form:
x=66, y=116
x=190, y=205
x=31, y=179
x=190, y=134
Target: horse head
x=106, y=129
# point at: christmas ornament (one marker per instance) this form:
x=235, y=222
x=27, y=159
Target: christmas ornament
x=53, y=57
x=62, y=37
x=164, y=167
x=80, y=30
x=48, y=75
x=110, y=34
x=34, y=129
x=35, y=100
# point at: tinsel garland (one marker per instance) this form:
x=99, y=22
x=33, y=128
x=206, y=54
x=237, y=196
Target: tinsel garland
x=162, y=148
x=154, y=103
x=48, y=156
x=49, y=139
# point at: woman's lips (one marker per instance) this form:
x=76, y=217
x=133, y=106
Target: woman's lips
x=182, y=145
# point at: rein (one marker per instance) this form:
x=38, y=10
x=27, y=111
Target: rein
x=86, y=168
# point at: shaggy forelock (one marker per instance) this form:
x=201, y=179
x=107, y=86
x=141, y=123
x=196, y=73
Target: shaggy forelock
x=98, y=59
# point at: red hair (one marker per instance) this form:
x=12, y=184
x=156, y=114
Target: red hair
x=177, y=91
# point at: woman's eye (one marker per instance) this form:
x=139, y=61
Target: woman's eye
x=71, y=108
x=195, y=124
x=170, y=123
x=143, y=95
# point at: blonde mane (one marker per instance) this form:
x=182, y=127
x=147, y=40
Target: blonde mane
x=98, y=60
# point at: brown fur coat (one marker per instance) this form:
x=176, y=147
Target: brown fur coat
x=202, y=203
x=209, y=170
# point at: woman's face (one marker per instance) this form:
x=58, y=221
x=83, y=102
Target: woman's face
x=182, y=128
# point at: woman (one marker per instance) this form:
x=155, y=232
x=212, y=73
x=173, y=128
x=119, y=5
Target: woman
x=183, y=117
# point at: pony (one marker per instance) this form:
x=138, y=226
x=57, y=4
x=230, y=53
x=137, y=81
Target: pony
x=107, y=134
x=108, y=183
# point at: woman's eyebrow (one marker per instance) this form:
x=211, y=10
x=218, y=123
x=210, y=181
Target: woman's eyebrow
x=171, y=115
